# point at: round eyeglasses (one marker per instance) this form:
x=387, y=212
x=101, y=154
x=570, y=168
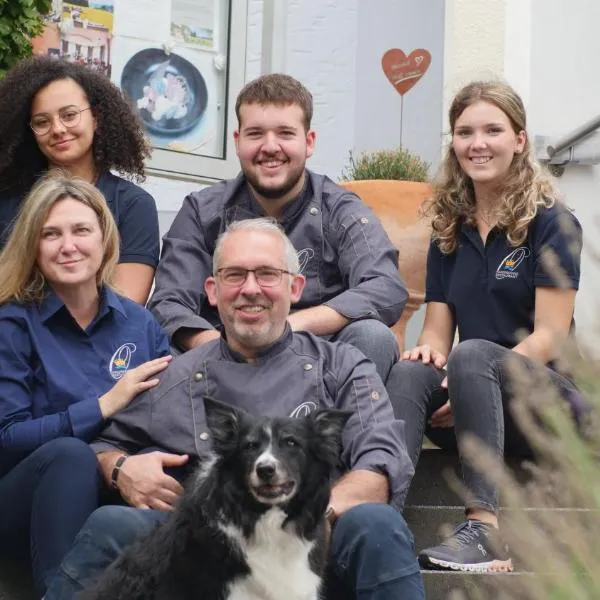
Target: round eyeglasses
x=70, y=116
x=265, y=276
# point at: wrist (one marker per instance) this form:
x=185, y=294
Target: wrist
x=106, y=404
x=116, y=470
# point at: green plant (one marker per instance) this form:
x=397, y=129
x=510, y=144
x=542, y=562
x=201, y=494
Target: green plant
x=397, y=163
x=20, y=20
x=552, y=524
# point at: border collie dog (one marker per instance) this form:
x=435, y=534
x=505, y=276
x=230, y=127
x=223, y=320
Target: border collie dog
x=251, y=524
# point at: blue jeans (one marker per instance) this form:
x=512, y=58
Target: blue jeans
x=481, y=389
x=375, y=340
x=371, y=554
x=44, y=501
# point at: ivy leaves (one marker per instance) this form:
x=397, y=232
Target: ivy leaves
x=20, y=20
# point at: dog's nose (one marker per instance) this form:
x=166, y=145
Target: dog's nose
x=265, y=472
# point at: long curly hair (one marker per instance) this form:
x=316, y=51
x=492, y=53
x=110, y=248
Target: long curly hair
x=524, y=189
x=119, y=141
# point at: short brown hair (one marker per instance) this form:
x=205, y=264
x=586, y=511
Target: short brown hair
x=278, y=89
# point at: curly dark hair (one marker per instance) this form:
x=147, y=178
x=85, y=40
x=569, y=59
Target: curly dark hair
x=119, y=141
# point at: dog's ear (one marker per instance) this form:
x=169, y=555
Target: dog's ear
x=328, y=425
x=330, y=422
x=223, y=421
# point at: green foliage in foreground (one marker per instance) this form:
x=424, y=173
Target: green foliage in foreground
x=20, y=20
x=386, y=164
x=558, y=542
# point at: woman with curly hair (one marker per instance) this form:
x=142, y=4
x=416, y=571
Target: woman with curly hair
x=496, y=222
x=72, y=354
x=59, y=114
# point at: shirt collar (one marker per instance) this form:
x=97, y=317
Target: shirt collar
x=291, y=208
x=262, y=355
x=52, y=304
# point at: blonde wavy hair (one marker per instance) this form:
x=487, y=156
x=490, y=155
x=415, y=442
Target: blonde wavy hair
x=524, y=190
x=20, y=277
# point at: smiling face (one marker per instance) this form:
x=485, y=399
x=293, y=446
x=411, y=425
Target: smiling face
x=272, y=146
x=70, y=249
x=63, y=146
x=485, y=143
x=253, y=316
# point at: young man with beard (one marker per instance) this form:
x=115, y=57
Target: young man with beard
x=261, y=366
x=353, y=289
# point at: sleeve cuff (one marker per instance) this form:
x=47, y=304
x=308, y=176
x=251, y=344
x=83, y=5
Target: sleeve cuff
x=100, y=446
x=142, y=259
x=352, y=307
x=86, y=418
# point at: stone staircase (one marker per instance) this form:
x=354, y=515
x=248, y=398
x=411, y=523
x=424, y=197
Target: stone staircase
x=432, y=511
x=431, y=507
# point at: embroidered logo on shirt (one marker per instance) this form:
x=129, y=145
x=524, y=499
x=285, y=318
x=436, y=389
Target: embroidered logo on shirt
x=119, y=363
x=303, y=410
x=304, y=256
x=507, y=269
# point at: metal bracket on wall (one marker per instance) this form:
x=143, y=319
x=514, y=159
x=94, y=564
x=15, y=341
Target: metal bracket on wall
x=274, y=34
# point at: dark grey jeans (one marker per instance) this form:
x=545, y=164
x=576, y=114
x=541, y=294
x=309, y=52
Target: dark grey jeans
x=481, y=389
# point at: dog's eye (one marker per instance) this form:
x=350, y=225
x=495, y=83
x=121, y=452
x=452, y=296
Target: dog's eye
x=292, y=443
x=251, y=445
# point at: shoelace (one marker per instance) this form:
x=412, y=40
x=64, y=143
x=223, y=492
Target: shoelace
x=466, y=532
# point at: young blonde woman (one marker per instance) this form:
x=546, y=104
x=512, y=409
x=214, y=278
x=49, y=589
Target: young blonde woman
x=493, y=214
x=72, y=353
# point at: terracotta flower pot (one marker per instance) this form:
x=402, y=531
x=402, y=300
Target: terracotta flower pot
x=397, y=204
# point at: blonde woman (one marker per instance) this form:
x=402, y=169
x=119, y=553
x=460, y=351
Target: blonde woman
x=72, y=353
x=493, y=215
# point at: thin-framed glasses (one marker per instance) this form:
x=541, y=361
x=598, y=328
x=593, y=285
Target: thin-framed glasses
x=265, y=276
x=69, y=116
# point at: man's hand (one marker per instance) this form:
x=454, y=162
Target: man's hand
x=190, y=338
x=144, y=484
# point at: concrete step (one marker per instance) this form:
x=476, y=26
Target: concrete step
x=430, y=486
x=431, y=524
x=443, y=585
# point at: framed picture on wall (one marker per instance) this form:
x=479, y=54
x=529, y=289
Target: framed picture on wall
x=181, y=63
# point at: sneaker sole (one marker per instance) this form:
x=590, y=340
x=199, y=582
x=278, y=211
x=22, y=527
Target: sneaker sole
x=493, y=566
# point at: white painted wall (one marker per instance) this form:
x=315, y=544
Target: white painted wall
x=550, y=52
x=565, y=92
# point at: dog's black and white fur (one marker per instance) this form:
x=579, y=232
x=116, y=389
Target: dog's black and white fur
x=251, y=526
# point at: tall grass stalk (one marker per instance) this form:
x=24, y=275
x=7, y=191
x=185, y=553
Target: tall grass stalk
x=551, y=524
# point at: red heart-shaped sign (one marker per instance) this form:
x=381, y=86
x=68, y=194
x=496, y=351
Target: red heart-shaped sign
x=404, y=71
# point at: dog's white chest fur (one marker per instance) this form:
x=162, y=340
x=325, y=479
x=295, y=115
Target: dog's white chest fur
x=278, y=560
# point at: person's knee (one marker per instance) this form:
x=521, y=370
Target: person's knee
x=370, y=333
x=115, y=527
x=70, y=453
x=471, y=356
x=377, y=527
x=408, y=373
x=375, y=340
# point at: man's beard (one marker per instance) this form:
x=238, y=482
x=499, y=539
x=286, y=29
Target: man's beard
x=274, y=193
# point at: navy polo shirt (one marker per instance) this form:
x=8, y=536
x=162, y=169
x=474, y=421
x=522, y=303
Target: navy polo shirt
x=133, y=209
x=52, y=372
x=490, y=289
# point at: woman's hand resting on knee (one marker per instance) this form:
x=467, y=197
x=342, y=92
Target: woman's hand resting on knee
x=426, y=354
